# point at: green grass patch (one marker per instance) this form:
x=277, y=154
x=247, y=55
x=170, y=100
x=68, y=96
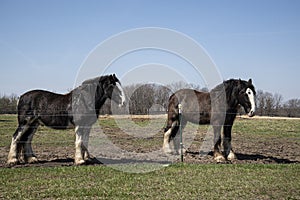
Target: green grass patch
x=8, y=125
x=43, y=136
x=180, y=181
x=268, y=127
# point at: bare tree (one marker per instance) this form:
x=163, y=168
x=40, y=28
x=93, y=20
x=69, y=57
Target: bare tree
x=8, y=104
x=292, y=108
x=141, y=99
x=269, y=103
x=277, y=103
x=162, y=95
x=260, y=102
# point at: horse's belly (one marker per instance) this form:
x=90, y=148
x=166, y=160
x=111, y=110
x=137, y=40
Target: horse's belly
x=199, y=118
x=57, y=122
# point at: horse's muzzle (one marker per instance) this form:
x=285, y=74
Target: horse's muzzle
x=251, y=113
x=121, y=105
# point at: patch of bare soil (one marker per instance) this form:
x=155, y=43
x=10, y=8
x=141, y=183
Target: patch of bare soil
x=248, y=149
x=252, y=149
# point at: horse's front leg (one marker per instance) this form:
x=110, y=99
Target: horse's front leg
x=86, y=154
x=218, y=156
x=79, y=150
x=177, y=140
x=229, y=154
x=28, y=136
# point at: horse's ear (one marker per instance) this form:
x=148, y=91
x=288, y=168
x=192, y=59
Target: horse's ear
x=110, y=78
x=115, y=79
x=250, y=81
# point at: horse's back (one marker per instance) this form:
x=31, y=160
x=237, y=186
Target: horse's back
x=50, y=109
x=41, y=100
x=196, y=105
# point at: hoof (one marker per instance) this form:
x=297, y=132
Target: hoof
x=13, y=161
x=32, y=160
x=219, y=158
x=92, y=161
x=167, y=150
x=184, y=151
x=79, y=162
x=231, y=156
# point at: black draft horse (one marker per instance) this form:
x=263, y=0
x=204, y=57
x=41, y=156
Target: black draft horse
x=219, y=108
x=77, y=109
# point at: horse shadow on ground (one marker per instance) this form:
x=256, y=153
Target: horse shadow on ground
x=68, y=161
x=93, y=161
x=247, y=158
x=52, y=163
x=266, y=159
x=252, y=158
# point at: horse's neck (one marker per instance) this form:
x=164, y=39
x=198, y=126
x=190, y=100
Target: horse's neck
x=99, y=101
x=224, y=98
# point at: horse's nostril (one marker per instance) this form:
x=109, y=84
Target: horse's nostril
x=251, y=113
x=123, y=104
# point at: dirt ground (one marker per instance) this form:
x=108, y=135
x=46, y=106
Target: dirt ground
x=248, y=148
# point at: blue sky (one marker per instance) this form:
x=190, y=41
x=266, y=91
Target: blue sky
x=44, y=43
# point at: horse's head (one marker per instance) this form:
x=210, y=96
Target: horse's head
x=113, y=90
x=246, y=96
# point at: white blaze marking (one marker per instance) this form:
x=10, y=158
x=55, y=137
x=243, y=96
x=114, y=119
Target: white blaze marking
x=251, y=99
x=122, y=94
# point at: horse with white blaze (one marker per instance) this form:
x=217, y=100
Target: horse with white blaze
x=78, y=109
x=218, y=108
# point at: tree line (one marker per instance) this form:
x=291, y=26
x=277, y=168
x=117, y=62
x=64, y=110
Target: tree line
x=269, y=104
x=8, y=104
x=153, y=99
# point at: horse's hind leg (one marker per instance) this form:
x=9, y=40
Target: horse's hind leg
x=218, y=156
x=81, y=151
x=170, y=131
x=86, y=154
x=176, y=139
x=16, y=145
x=166, y=144
x=167, y=136
x=28, y=152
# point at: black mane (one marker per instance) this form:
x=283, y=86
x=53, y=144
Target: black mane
x=229, y=89
x=231, y=83
x=101, y=79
